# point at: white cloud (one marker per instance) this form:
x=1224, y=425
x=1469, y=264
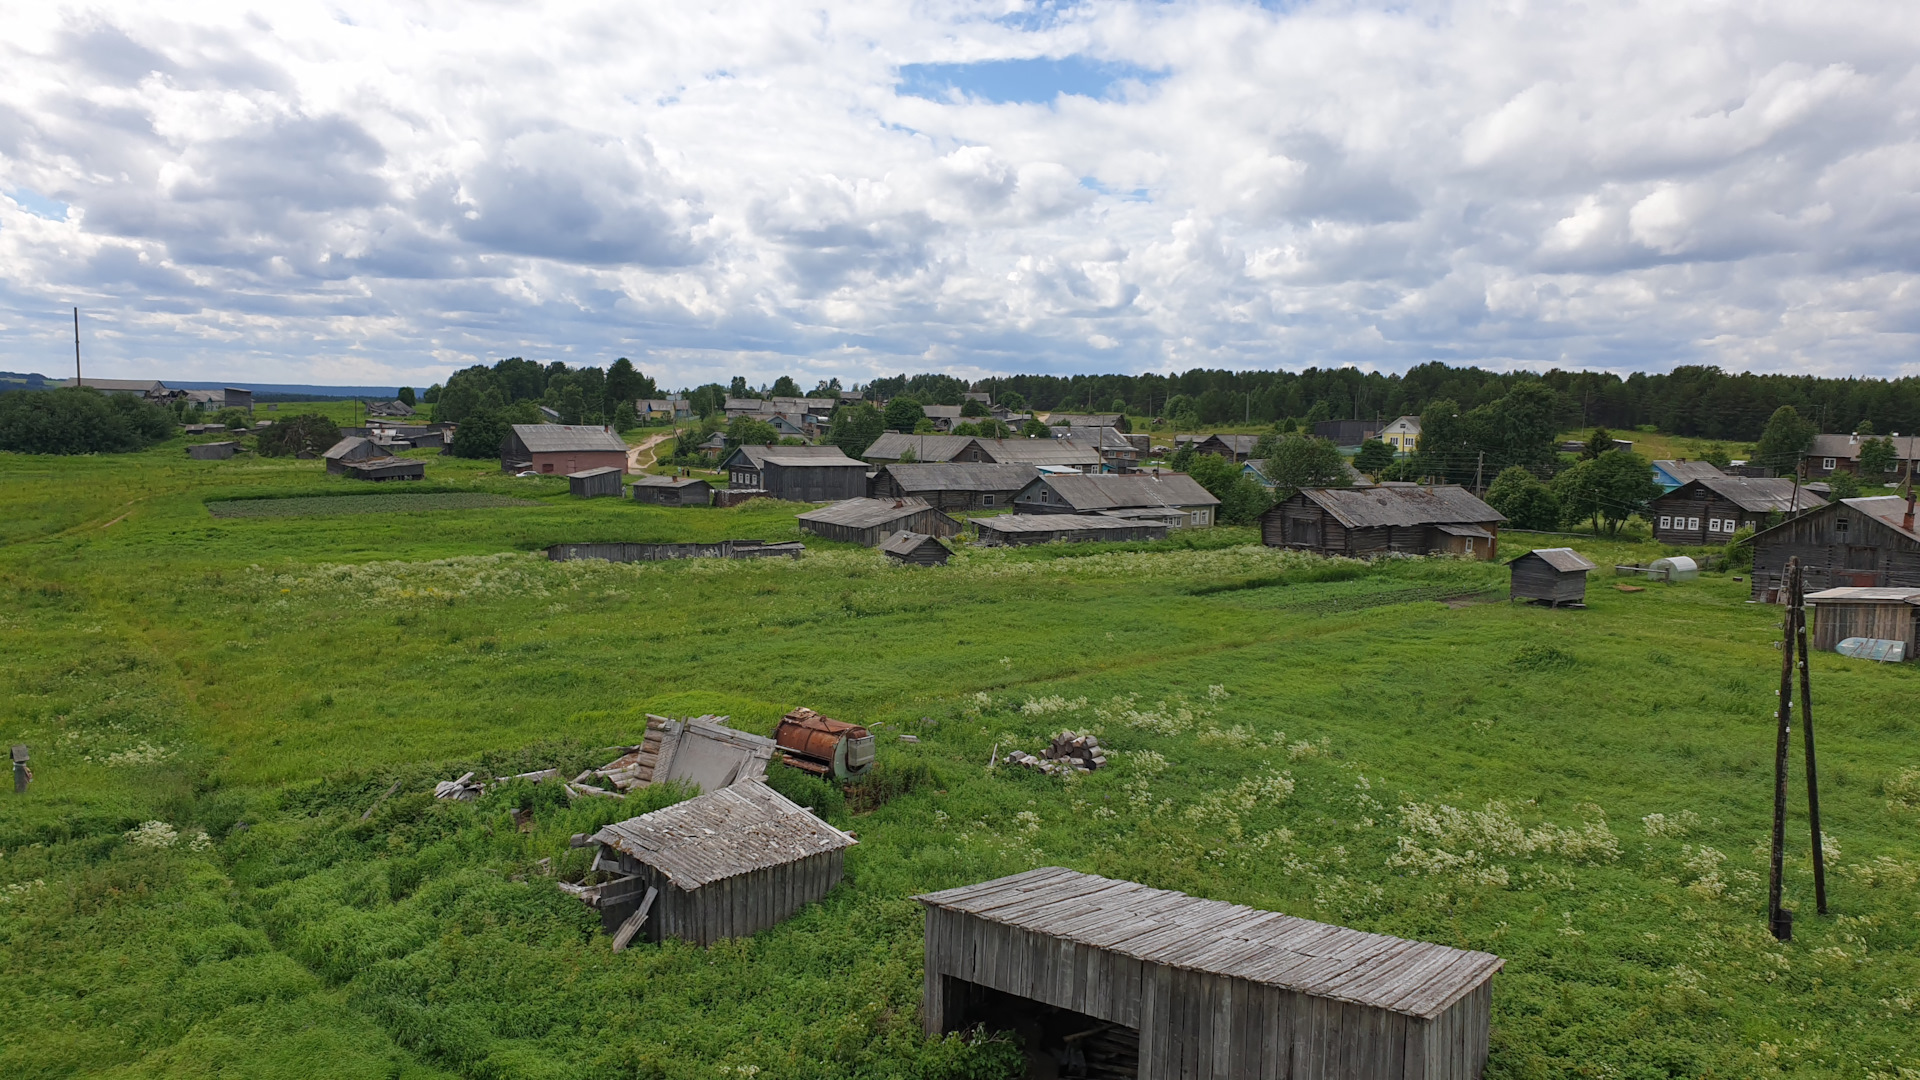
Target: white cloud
x=360, y=190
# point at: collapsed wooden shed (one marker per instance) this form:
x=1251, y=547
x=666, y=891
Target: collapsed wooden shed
x=1013, y=530
x=1174, y=986
x=726, y=864
x=1864, y=612
x=672, y=491
x=350, y=449
x=1553, y=576
x=595, y=483
x=725, y=549
x=868, y=521
x=213, y=451
x=916, y=548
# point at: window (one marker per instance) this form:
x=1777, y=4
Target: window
x=1713, y=525
x=986, y=500
x=1693, y=524
x=1666, y=522
x=1826, y=463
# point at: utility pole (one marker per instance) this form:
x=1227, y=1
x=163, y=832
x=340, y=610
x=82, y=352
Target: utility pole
x=76, y=348
x=1477, y=465
x=1798, y=599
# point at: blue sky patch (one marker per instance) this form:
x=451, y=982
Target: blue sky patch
x=1033, y=81
x=39, y=205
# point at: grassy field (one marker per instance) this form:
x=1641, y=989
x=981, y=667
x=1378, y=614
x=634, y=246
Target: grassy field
x=190, y=889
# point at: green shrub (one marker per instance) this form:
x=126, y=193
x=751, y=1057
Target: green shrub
x=807, y=790
x=1542, y=658
x=887, y=782
x=76, y=420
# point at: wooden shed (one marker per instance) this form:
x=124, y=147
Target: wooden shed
x=954, y=485
x=869, y=521
x=726, y=864
x=1865, y=543
x=672, y=491
x=1850, y=612
x=1072, y=493
x=813, y=478
x=213, y=451
x=916, y=548
x=350, y=449
x=386, y=468
x=1157, y=985
x=1553, y=576
x=1360, y=522
x=596, y=483
x=1014, y=530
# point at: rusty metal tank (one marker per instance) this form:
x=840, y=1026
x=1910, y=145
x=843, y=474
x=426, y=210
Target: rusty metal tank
x=824, y=746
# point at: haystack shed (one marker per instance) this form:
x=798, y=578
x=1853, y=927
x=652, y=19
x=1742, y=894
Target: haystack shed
x=595, y=483
x=350, y=449
x=726, y=864
x=916, y=548
x=869, y=521
x=672, y=491
x=213, y=451
x=1157, y=984
x=1014, y=530
x=1553, y=576
x=386, y=468
x=1857, y=612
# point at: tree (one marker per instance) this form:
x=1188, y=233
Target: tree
x=973, y=407
x=466, y=392
x=748, y=431
x=233, y=419
x=1597, y=443
x=1606, y=490
x=855, y=427
x=984, y=428
x=1374, y=457
x=1182, y=412
x=708, y=399
x=1786, y=437
x=480, y=434
x=738, y=387
x=784, y=386
x=432, y=396
x=572, y=404
x=1119, y=405
x=1013, y=400
x=1242, y=498
x=1843, y=485
x=1716, y=456
x=1877, y=459
x=907, y=456
x=405, y=396
x=625, y=416
x=1296, y=461
x=1520, y=427
x=1865, y=427
x=627, y=383
x=924, y=426
x=903, y=413
x=1523, y=500
x=79, y=420
x=291, y=435
x=1034, y=429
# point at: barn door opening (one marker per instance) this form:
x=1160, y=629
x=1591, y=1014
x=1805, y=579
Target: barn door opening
x=1059, y=1043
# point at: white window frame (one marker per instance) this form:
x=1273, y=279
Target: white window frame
x=1827, y=463
x=1666, y=521
x=1693, y=524
x=1713, y=525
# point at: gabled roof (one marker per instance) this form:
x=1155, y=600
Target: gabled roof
x=1889, y=510
x=1684, y=471
x=722, y=834
x=1753, y=494
x=865, y=513
x=1060, y=419
x=754, y=455
x=905, y=543
x=1175, y=930
x=1239, y=444
x=1565, y=560
x=1374, y=507
x=675, y=482
x=811, y=461
x=1092, y=491
x=560, y=438
x=941, y=412
x=345, y=448
x=960, y=476
x=1069, y=451
x=890, y=445
x=119, y=386
x=601, y=471
x=1848, y=446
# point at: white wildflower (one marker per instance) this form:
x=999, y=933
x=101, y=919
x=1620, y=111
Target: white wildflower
x=152, y=834
x=143, y=754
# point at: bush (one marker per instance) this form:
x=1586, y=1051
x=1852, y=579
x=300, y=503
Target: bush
x=479, y=435
x=1242, y=498
x=1740, y=551
x=1523, y=500
x=806, y=789
x=287, y=437
x=79, y=420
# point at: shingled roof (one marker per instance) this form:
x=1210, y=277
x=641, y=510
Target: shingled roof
x=560, y=438
x=1565, y=560
x=1375, y=507
x=1756, y=494
x=722, y=834
x=1413, y=978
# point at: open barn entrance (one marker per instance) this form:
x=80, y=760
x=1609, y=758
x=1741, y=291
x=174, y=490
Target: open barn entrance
x=1059, y=1043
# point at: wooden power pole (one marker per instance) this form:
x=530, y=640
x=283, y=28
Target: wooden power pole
x=1793, y=654
x=76, y=348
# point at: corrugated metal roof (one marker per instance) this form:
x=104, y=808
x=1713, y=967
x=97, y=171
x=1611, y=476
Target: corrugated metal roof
x=811, y=461
x=1684, y=471
x=1761, y=496
x=865, y=513
x=904, y=542
x=755, y=455
x=1108, y=492
x=723, y=834
x=1041, y=451
x=961, y=476
x=890, y=445
x=602, y=471
x=1373, y=507
x=1413, y=978
x=560, y=438
x=1565, y=560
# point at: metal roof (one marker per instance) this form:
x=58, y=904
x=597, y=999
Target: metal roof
x=601, y=471
x=1684, y=471
x=1565, y=560
x=1239, y=444
x=339, y=451
x=559, y=438
x=722, y=834
x=1373, y=507
x=666, y=481
x=757, y=454
x=1865, y=595
x=1905, y=447
x=890, y=445
x=904, y=542
x=1089, y=491
x=811, y=461
x=1158, y=926
x=1889, y=510
x=1068, y=451
x=1755, y=494
x=961, y=476
x=865, y=513
x=119, y=386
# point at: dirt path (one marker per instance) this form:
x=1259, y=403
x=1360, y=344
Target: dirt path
x=634, y=464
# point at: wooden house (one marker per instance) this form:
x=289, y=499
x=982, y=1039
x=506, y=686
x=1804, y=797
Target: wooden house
x=1348, y=432
x=1135, y=981
x=743, y=464
x=1360, y=522
x=869, y=521
x=1865, y=543
x=1709, y=510
x=386, y=468
x=918, y=549
x=953, y=485
x=1074, y=454
x=213, y=451
x=1841, y=453
x=813, y=477
x=595, y=483
x=1670, y=473
x=1071, y=493
x=1552, y=576
x=350, y=449
x=1849, y=612
x=672, y=491
x=1403, y=435
x=893, y=446
x=1015, y=530
x=561, y=448
x=1235, y=448
x=726, y=864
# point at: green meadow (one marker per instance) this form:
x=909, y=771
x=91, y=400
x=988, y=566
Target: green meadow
x=222, y=669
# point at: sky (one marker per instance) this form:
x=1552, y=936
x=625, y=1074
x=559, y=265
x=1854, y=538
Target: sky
x=370, y=192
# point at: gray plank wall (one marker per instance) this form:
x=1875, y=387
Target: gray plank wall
x=739, y=906
x=1533, y=579
x=1196, y=1025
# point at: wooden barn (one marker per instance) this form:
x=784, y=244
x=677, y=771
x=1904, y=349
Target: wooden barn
x=1848, y=612
x=954, y=485
x=1552, y=576
x=596, y=483
x=386, y=468
x=1071, y=493
x=1015, y=530
x=672, y=491
x=813, y=478
x=918, y=549
x=213, y=451
x=726, y=864
x=742, y=466
x=869, y=521
x=1865, y=543
x=561, y=448
x=1710, y=509
x=1235, y=448
x=350, y=449
x=1359, y=522
x=1147, y=983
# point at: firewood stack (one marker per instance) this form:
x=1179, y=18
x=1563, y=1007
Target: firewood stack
x=1069, y=752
